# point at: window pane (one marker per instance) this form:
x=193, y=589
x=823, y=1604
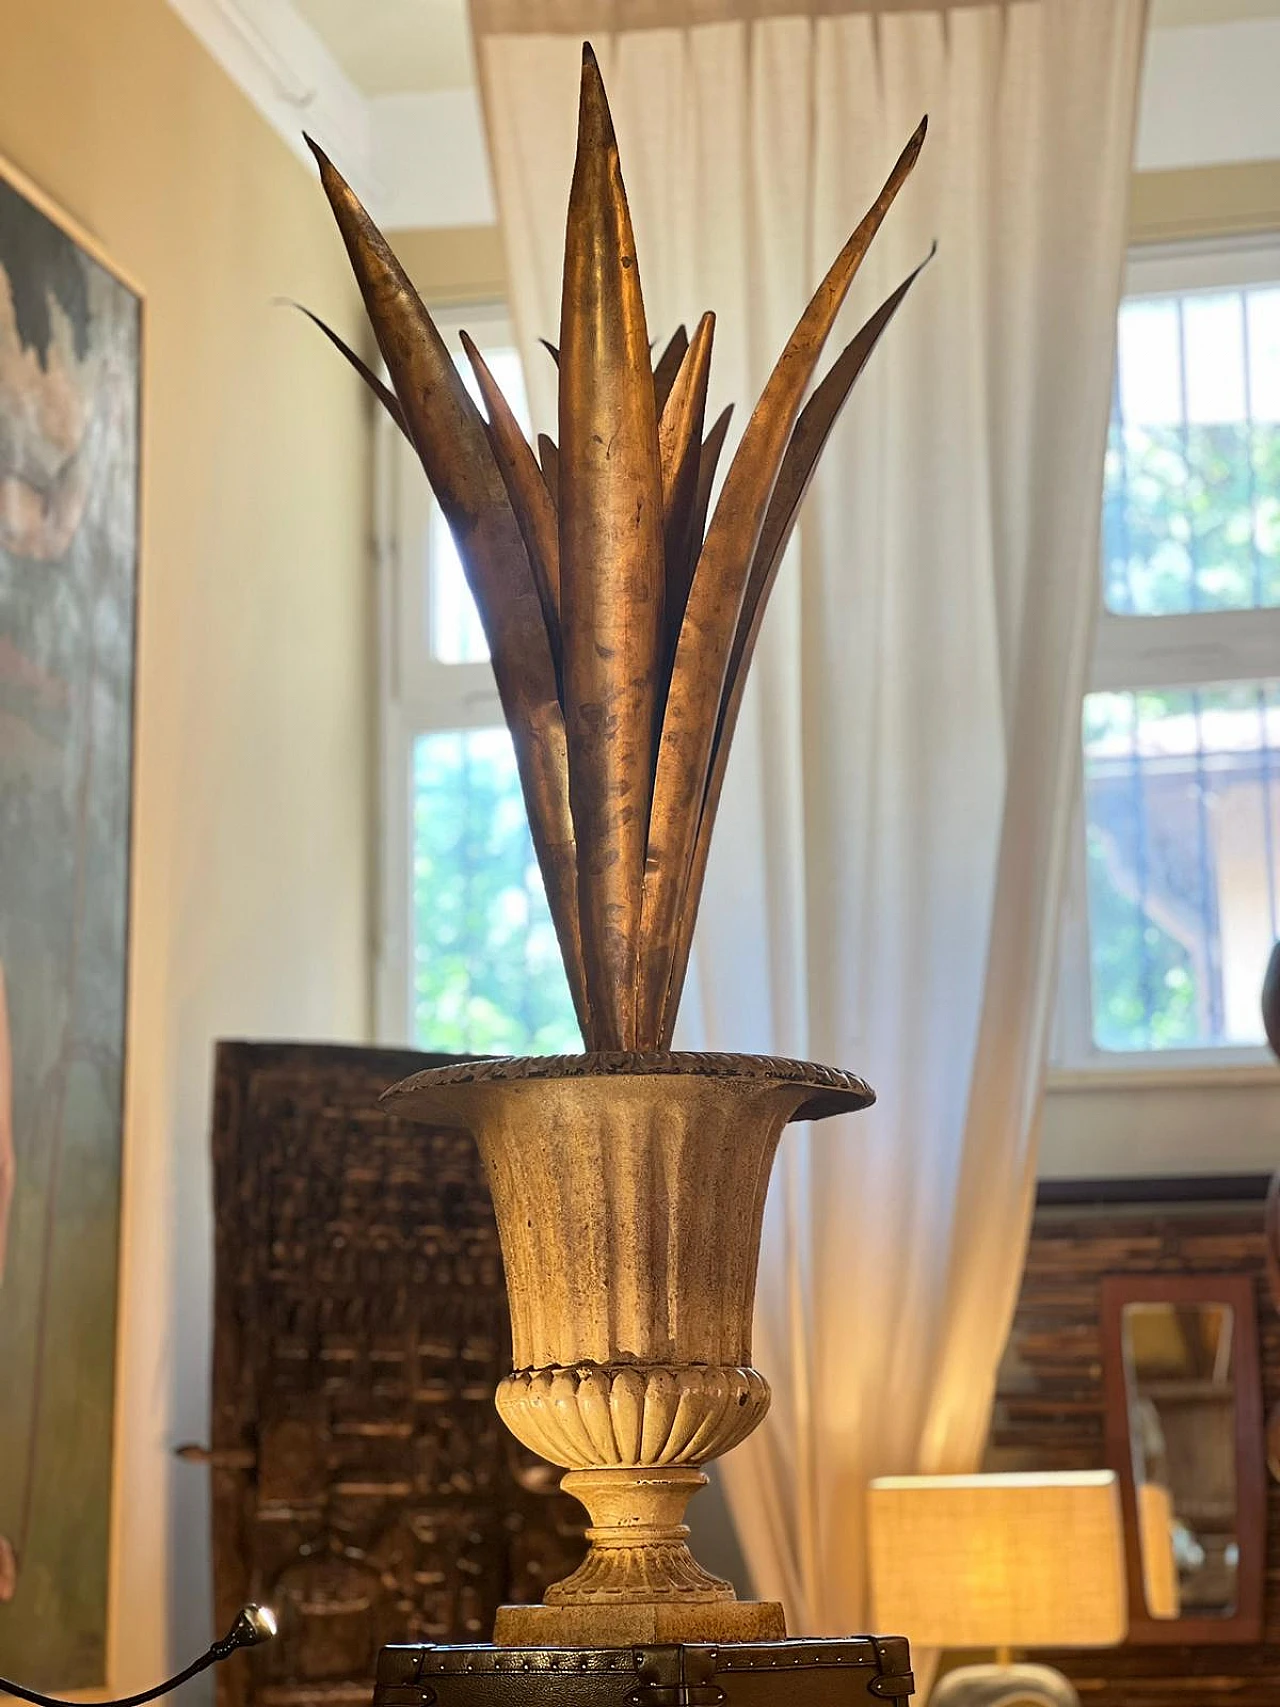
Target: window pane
x=1191, y=503
x=1263, y=329
x=1213, y=338
x=487, y=975
x=1149, y=362
x=1182, y=808
x=456, y=635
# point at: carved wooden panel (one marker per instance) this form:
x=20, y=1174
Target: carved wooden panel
x=362, y=1483
x=1050, y=1409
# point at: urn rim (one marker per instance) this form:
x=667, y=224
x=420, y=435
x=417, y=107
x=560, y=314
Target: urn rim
x=831, y=1089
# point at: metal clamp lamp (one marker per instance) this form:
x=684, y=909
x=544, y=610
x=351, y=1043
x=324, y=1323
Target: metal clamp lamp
x=253, y=1625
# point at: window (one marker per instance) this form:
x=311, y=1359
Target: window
x=1178, y=886
x=1176, y=895
x=469, y=961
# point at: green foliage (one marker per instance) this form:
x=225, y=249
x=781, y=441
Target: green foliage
x=1159, y=765
x=487, y=974
x=1144, y=991
x=1191, y=519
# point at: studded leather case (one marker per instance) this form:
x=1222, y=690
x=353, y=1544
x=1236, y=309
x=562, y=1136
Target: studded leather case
x=840, y=1673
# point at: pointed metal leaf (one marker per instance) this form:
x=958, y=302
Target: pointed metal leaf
x=610, y=564
x=715, y=599
x=549, y=457
x=712, y=445
x=812, y=430
x=668, y=366
x=534, y=511
x=808, y=440
x=388, y=399
x=680, y=452
x=452, y=441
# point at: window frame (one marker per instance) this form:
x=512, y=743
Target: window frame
x=1133, y=652
x=417, y=693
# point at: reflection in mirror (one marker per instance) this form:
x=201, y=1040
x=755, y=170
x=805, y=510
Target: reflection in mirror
x=1180, y=1386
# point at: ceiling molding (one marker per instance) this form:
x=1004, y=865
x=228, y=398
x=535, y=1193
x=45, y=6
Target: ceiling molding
x=281, y=64
x=419, y=161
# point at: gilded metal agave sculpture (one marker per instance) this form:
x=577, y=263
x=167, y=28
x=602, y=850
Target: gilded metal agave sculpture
x=628, y=1182
x=620, y=626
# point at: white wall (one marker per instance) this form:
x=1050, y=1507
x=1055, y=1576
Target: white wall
x=1107, y=1127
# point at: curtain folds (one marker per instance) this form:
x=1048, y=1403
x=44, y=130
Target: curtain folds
x=884, y=887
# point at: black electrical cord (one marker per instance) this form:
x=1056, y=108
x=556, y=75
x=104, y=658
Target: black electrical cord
x=253, y=1624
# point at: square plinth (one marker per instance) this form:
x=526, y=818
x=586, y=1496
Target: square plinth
x=843, y=1672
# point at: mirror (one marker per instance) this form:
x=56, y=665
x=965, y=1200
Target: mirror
x=1181, y=1397
x=1184, y=1434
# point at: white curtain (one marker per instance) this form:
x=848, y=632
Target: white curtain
x=884, y=888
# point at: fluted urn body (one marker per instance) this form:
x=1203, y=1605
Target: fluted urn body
x=629, y=1192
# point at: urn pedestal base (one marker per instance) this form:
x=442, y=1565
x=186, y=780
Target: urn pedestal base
x=639, y=1582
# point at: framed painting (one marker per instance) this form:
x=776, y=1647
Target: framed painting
x=70, y=372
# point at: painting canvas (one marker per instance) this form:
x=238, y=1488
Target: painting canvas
x=70, y=336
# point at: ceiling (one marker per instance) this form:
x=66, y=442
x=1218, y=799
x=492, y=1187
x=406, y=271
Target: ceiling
x=389, y=47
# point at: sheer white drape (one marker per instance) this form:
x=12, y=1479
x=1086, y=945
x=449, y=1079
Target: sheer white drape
x=884, y=888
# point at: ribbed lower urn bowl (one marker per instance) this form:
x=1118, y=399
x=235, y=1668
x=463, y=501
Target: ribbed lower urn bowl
x=629, y=1192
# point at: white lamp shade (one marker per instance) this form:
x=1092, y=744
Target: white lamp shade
x=1028, y=1561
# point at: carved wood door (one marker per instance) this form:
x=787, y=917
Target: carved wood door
x=362, y=1484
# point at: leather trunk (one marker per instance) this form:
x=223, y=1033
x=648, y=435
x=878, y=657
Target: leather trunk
x=828, y=1673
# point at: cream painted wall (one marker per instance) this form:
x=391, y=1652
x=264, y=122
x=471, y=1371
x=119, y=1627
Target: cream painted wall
x=253, y=775
x=454, y=264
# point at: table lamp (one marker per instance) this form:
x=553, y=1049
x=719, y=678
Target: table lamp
x=1027, y=1561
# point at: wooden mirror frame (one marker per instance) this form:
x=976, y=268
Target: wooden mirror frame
x=1244, y=1625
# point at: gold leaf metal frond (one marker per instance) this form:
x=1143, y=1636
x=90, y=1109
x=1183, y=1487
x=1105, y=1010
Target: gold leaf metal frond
x=620, y=625
x=531, y=501
x=683, y=408
x=812, y=430
x=452, y=442
x=388, y=399
x=610, y=558
x=715, y=599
